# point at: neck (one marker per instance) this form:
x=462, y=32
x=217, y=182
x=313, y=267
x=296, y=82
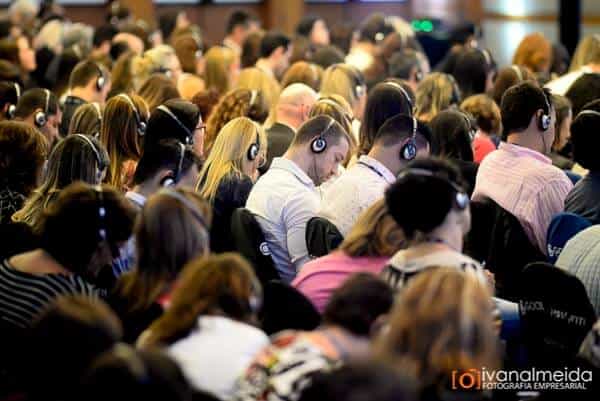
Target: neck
x=528, y=140
x=289, y=120
x=389, y=157
x=299, y=158
x=265, y=64
x=451, y=236
x=82, y=93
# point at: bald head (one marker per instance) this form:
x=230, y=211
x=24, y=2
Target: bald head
x=294, y=104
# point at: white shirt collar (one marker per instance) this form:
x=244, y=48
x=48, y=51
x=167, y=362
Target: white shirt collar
x=282, y=163
x=377, y=167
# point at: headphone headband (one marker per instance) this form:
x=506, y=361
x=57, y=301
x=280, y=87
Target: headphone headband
x=47, y=105
x=404, y=93
x=190, y=136
x=141, y=125
x=17, y=90
x=517, y=71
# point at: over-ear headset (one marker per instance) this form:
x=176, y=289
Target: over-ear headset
x=162, y=70
x=461, y=198
x=588, y=112
x=140, y=124
x=254, y=148
x=100, y=166
x=170, y=181
x=41, y=117
x=253, y=96
x=517, y=71
x=319, y=144
x=404, y=93
x=408, y=150
x=100, y=79
x=189, y=139
x=545, y=120
x=13, y=107
x=355, y=76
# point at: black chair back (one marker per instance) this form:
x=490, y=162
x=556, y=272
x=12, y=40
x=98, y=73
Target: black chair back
x=322, y=236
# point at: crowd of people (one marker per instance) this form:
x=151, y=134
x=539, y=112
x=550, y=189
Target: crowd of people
x=321, y=216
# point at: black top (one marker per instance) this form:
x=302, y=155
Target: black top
x=468, y=170
x=232, y=193
x=10, y=202
x=584, y=198
x=561, y=162
x=279, y=138
x=71, y=104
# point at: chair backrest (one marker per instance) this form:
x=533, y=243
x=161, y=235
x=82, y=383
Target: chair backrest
x=286, y=308
x=322, y=236
x=249, y=241
x=562, y=228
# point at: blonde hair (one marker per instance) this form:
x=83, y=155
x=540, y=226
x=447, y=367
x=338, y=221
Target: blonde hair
x=485, y=111
x=343, y=80
x=434, y=94
x=152, y=61
x=256, y=79
x=218, y=61
x=158, y=89
x=302, y=72
x=228, y=152
x=587, y=52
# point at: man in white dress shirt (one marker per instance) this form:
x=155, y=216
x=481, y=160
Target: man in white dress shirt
x=286, y=196
x=365, y=182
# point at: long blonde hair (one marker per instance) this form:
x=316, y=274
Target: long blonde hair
x=435, y=93
x=256, y=79
x=218, y=61
x=587, y=51
x=228, y=152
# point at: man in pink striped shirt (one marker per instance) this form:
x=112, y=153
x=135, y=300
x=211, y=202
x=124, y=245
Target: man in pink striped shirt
x=518, y=176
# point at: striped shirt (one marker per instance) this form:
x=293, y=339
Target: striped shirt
x=526, y=184
x=23, y=296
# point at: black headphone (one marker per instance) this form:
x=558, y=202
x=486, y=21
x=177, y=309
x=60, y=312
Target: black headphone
x=100, y=166
x=254, y=148
x=408, y=150
x=189, y=139
x=404, y=93
x=544, y=121
x=461, y=198
x=472, y=129
x=100, y=80
x=319, y=144
x=40, y=118
x=140, y=124
x=170, y=181
x=13, y=107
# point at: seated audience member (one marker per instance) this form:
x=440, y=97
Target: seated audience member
x=251, y=49
x=71, y=254
x=87, y=120
x=9, y=97
x=314, y=29
x=236, y=30
x=171, y=22
x=451, y=135
x=190, y=51
x=371, y=242
x=178, y=119
x=258, y=80
x=121, y=75
x=168, y=163
x=206, y=101
x=397, y=142
x=161, y=59
x=535, y=52
x=22, y=154
x=172, y=230
x=586, y=59
x=337, y=108
x=347, y=81
x=474, y=72
x=286, y=196
x=326, y=56
x=304, y=73
x=284, y=368
x=507, y=77
x=101, y=42
x=123, y=129
x=384, y=101
x=585, y=195
x=215, y=302
x=430, y=205
x=75, y=158
x=236, y=103
x=488, y=122
x=562, y=132
x=275, y=53
x=434, y=314
x=435, y=93
x=222, y=69
x=39, y=108
x=291, y=111
x=89, y=82
x=519, y=177
x=365, y=48
x=583, y=91
x=405, y=64
x=229, y=174
x=157, y=90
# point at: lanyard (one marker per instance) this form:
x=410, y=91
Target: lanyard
x=372, y=169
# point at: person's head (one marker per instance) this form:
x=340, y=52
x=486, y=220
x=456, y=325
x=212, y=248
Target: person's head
x=374, y=28
x=158, y=60
x=10, y=72
x=206, y=101
x=337, y=108
x=39, y=108
x=384, y=101
x=19, y=52
x=238, y=26
x=435, y=93
x=133, y=42
x=375, y=234
x=584, y=90
x=275, y=47
x=507, y=77
x=222, y=284
x=315, y=29
x=235, y=103
x=560, y=60
x=534, y=52
x=294, y=104
x=171, y=21
x=87, y=120
x=102, y=39
x=90, y=81
x=326, y=56
x=322, y=144
x=528, y=117
x=406, y=64
x=251, y=49
x=474, y=71
x=305, y=73
x=10, y=92
x=189, y=85
x=85, y=249
x=65, y=339
x=178, y=119
x=583, y=136
x=452, y=132
x=358, y=304
x=157, y=90
x=123, y=128
x=74, y=158
x=190, y=52
x=22, y=153
x=222, y=68
x=240, y=149
x=347, y=81
x=562, y=124
x=486, y=113
x=442, y=323
x=429, y=196
x=257, y=79
x=121, y=73
x=586, y=53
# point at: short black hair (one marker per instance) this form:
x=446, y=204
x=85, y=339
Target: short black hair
x=420, y=203
x=162, y=126
x=357, y=304
x=584, y=90
x=271, y=41
x=238, y=17
x=585, y=138
x=117, y=49
x=102, y=34
x=10, y=72
x=34, y=99
x=519, y=103
x=167, y=22
x=326, y=56
x=164, y=155
x=306, y=24
x=471, y=71
x=402, y=62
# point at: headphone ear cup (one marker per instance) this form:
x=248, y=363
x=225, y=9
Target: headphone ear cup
x=10, y=113
x=318, y=145
x=409, y=151
x=142, y=128
x=40, y=119
x=253, y=152
x=544, y=122
x=100, y=83
x=462, y=200
x=168, y=182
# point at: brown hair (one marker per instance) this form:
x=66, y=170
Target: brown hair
x=435, y=93
x=158, y=89
x=121, y=74
x=374, y=234
x=442, y=323
x=485, y=111
x=562, y=107
x=222, y=283
x=87, y=120
x=534, y=52
x=218, y=62
x=509, y=76
x=305, y=73
x=186, y=47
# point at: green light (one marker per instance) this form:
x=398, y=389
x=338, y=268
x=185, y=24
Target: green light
x=416, y=24
x=427, y=26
